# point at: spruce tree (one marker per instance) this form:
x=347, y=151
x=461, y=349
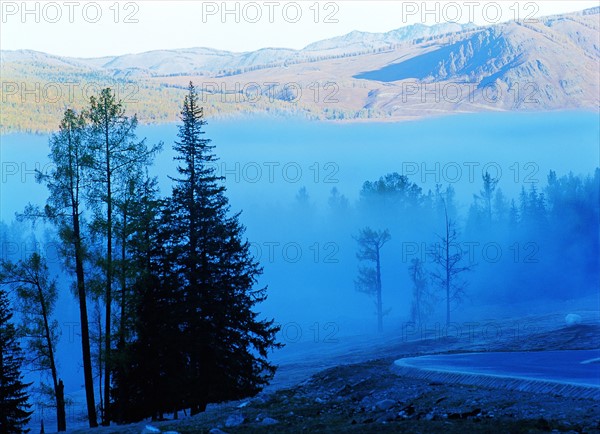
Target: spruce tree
x=225, y=341
x=14, y=406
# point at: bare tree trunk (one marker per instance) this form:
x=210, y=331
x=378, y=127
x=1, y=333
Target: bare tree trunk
x=60, y=403
x=3, y=415
x=121, y=344
x=123, y=288
x=81, y=294
x=100, y=362
x=448, y=277
x=85, y=331
x=61, y=417
x=107, y=333
x=379, y=300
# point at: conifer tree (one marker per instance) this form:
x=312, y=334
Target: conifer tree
x=225, y=341
x=14, y=406
x=151, y=382
x=37, y=292
x=116, y=154
x=66, y=184
x=422, y=300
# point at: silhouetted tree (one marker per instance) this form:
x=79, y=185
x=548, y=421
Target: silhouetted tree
x=66, y=183
x=152, y=381
x=14, y=406
x=487, y=195
x=131, y=211
x=368, y=281
x=37, y=296
x=117, y=155
x=302, y=198
x=392, y=192
x=532, y=208
x=421, y=305
x=480, y=212
x=513, y=215
x=225, y=343
x=445, y=200
x=448, y=256
x=337, y=202
x=501, y=207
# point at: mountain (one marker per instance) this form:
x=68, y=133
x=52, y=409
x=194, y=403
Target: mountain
x=551, y=64
x=359, y=41
x=189, y=61
x=208, y=61
x=411, y=72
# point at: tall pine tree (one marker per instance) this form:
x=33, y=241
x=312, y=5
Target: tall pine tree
x=14, y=406
x=225, y=341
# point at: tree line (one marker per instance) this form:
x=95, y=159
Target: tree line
x=173, y=274
x=550, y=235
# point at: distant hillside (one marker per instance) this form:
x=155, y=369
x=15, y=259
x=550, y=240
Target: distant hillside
x=411, y=72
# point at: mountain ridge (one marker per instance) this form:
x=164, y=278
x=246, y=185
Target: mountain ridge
x=549, y=64
x=231, y=60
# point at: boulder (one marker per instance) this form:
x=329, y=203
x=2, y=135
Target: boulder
x=269, y=421
x=385, y=404
x=572, y=319
x=235, y=419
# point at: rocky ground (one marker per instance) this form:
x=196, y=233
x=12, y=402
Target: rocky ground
x=366, y=397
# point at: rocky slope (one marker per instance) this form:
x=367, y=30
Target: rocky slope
x=365, y=397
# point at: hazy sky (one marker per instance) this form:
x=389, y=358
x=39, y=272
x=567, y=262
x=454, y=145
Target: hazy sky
x=91, y=29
